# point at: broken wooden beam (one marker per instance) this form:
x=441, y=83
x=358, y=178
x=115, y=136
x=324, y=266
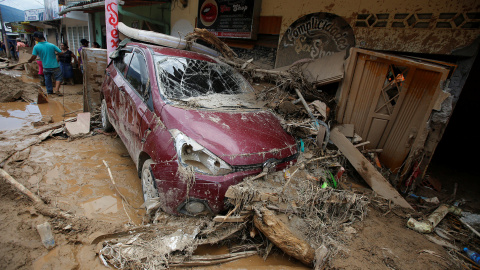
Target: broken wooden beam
x=52, y=126
x=240, y=218
x=199, y=260
x=368, y=172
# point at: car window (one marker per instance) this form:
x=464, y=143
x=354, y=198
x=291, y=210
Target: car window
x=182, y=78
x=122, y=61
x=137, y=73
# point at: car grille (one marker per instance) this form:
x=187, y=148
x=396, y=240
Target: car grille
x=251, y=167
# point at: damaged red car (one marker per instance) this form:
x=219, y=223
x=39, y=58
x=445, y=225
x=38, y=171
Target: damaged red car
x=191, y=124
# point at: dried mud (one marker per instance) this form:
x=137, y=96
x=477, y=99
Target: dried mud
x=12, y=89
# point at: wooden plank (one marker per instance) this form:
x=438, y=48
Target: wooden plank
x=368, y=172
x=241, y=218
x=326, y=69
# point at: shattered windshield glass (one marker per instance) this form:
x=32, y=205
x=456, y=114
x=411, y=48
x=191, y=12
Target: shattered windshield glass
x=183, y=78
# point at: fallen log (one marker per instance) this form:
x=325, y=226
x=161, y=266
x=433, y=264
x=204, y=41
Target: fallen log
x=279, y=234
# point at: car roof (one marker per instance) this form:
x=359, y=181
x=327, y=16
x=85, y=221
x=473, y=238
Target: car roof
x=173, y=52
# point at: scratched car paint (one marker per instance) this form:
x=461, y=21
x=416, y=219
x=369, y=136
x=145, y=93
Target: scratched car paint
x=191, y=124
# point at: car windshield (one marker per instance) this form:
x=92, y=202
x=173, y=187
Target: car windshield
x=183, y=78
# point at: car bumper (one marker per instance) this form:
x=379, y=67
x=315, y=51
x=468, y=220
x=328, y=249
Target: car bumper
x=177, y=189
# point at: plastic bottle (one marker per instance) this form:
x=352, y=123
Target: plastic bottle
x=45, y=232
x=472, y=255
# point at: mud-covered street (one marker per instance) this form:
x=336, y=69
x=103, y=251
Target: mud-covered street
x=71, y=174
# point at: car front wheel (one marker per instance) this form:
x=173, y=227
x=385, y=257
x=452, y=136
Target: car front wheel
x=148, y=182
x=106, y=125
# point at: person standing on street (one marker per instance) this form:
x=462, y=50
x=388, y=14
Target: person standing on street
x=47, y=53
x=66, y=63
x=19, y=44
x=12, y=49
x=84, y=43
x=2, y=48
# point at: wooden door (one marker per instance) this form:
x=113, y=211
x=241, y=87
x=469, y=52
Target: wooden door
x=389, y=100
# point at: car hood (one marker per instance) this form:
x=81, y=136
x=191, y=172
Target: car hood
x=239, y=137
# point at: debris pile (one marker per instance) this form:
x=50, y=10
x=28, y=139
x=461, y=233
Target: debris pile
x=290, y=208
x=301, y=210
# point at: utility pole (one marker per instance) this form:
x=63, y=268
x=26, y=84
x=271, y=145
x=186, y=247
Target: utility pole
x=4, y=36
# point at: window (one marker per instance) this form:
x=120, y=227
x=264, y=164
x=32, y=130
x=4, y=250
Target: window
x=74, y=35
x=391, y=90
x=182, y=78
x=122, y=61
x=137, y=73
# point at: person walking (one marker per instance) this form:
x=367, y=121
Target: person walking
x=2, y=48
x=84, y=43
x=47, y=53
x=65, y=61
x=19, y=45
x=11, y=46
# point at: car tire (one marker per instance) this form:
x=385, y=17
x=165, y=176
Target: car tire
x=149, y=187
x=106, y=125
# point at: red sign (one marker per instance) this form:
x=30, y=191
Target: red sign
x=229, y=18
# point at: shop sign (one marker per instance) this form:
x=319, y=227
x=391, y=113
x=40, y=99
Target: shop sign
x=34, y=15
x=229, y=18
x=23, y=28
x=314, y=36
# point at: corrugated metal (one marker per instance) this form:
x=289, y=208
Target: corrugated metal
x=407, y=125
x=368, y=77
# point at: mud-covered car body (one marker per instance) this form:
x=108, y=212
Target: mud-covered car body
x=155, y=99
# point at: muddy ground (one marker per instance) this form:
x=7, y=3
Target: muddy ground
x=70, y=174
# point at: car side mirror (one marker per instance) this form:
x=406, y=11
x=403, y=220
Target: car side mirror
x=149, y=99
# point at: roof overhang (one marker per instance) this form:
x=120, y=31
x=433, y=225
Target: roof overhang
x=96, y=5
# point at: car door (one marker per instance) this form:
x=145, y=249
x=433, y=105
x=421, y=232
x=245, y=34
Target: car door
x=137, y=103
x=114, y=86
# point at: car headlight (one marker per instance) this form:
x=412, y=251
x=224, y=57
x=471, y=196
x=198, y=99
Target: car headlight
x=191, y=153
